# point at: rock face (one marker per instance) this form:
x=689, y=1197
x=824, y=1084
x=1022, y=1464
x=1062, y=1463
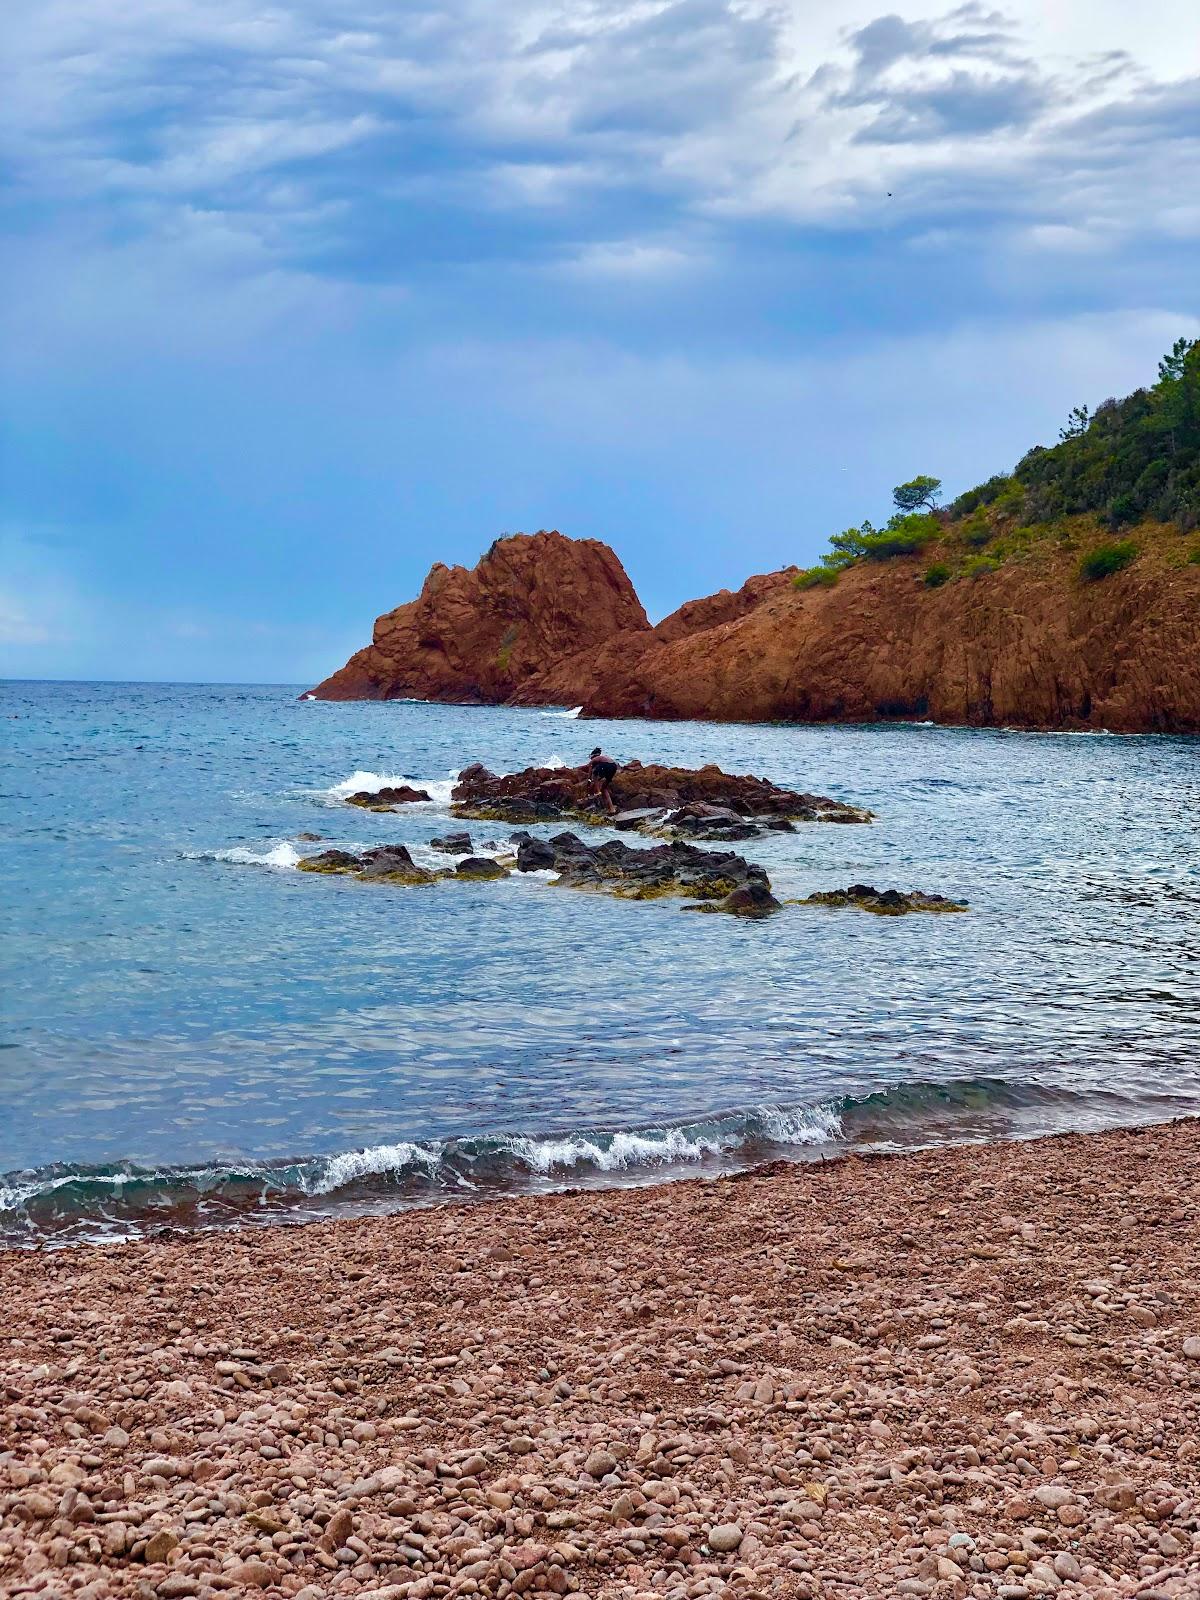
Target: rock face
x=705, y=802
x=1027, y=645
x=476, y=636
x=548, y=620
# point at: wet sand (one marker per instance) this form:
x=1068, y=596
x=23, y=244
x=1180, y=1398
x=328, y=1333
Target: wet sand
x=964, y=1372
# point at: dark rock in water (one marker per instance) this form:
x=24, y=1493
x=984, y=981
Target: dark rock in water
x=393, y=862
x=390, y=863
x=453, y=844
x=480, y=867
x=707, y=799
x=330, y=861
x=699, y=820
x=666, y=869
x=637, y=821
x=533, y=855
x=727, y=881
x=387, y=798
x=308, y=838
x=883, y=902
x=753, y=900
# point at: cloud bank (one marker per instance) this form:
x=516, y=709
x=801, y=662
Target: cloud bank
x=275, y=279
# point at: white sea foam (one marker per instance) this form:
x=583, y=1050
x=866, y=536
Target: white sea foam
x=371, y=782
x=344, y=1168
x=438, y=789
x=809, y=1125
x=573, y=712
x=279, y=855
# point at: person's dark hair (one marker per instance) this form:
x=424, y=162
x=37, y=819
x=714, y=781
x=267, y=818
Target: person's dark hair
x=597, y=751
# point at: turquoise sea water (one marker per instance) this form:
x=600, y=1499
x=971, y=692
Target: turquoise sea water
x=195, y=1032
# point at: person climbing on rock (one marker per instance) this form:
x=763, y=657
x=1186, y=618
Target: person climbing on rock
x=602, y=770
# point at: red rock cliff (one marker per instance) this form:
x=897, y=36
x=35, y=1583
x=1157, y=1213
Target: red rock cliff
x=476, y=636
x=1027, y=645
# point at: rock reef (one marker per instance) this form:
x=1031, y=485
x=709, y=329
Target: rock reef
x=728, y=880
x=883, y=902
x=678, y=800
x=548, y=620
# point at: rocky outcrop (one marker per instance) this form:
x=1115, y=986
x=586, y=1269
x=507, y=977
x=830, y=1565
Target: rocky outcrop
x=728, y=881
x=387, y=798
x=719, y=877
x=475, y=636
x=548, y=620
x=882, y=902
x=388, y=863
x=704, y=802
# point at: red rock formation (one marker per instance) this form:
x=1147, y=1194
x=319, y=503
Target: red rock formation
x=1027, y=645
x=476, y=636
x=727, y=605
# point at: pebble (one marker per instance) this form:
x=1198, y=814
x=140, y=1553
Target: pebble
x=704, y=1391
x=160, y=1545
x=726, y=1536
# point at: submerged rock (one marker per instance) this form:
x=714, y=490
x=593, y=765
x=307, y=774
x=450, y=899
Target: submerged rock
x=719, y=876
x=393, y=862
x=671, y=801
x=387, y=798
x=329, y=861
x=752, y=900
x=390, y=862
x=883, y=902
x=453, y=844
x=480, y=867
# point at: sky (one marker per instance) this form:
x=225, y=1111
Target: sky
x=298, y=298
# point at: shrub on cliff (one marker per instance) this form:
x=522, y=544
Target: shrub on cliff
x=904, y=534
x=1129, y=459
x=815, y=578
x=936, y=575
x=1106, y=559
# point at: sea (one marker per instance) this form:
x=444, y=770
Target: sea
x=196, y=1035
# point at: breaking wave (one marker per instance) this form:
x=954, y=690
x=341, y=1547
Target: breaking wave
x=279, y=855
x=123, y=1200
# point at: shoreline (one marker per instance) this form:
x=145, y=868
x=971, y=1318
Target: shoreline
x=967, y=1371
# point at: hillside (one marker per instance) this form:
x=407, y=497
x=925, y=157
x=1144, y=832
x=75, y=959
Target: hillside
x=1063, y=595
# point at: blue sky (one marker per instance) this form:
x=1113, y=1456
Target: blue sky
x=298, y=298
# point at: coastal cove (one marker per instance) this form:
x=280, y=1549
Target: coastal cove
x=198, y=1035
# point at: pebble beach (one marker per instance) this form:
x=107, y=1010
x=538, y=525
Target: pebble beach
x=971, y=1371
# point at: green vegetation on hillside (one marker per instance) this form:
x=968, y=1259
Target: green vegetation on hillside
x=1130, y=461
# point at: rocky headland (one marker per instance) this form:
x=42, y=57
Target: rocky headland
x=1065, y=594
x=1025, y=643
x=965, y=1374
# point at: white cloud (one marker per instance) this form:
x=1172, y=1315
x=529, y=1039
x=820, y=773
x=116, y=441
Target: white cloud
x=1058, y=114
